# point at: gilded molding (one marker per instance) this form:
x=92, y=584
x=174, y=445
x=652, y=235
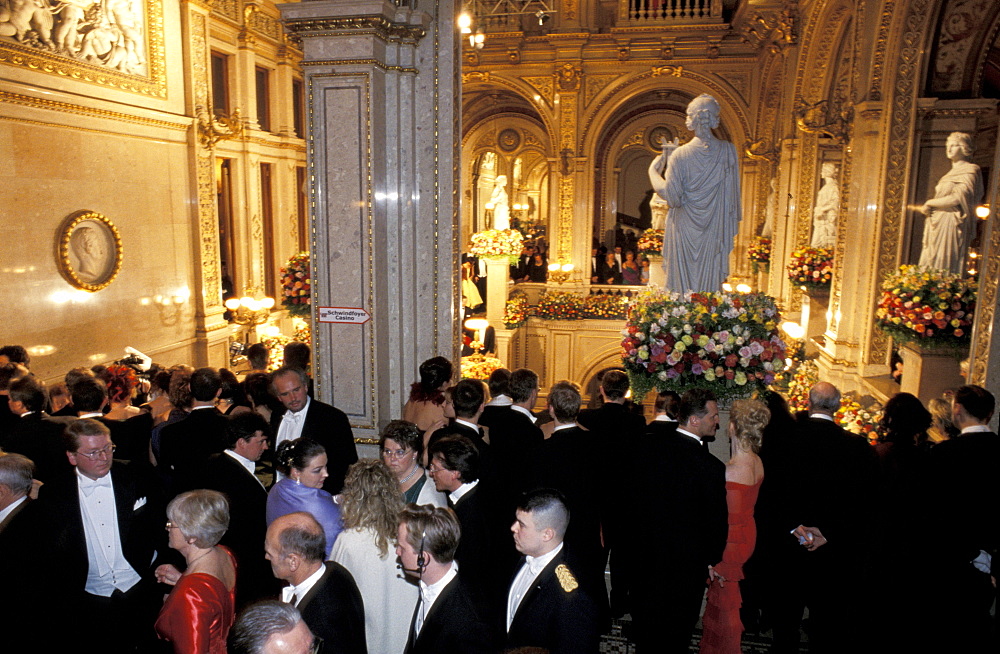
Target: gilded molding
x=154, y=84
x=567, y=143
x=374, y=24
x=211, y=129
x=881, y=44
x=544, y=84
x=475, y=76
x=68, y=108
x=359, y=62
x=70, y=242
x=667, y=71
x=821, y=119
x=761, y=150
x=982, y=343
x=808, y=153
x=594, y=84
x=899, y=162
x=565, y=216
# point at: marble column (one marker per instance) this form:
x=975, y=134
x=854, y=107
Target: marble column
x=383, y=99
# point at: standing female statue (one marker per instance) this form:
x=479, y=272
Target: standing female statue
x=702, y=187
x=501, y=210
x=827, y=209
x=951, y=221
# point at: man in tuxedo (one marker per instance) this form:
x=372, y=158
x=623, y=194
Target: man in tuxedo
x=271, y=627
x=572, y=462
x=665, y=421
x=454, y=468
x=817, y=504
x=9, y=372
x=445, y=618
x=306, y=417
x=325, y=593
x=613, y=422
x=688, y=531
x=499, y=392
x=37, y=435
x=20, y=525
x=546, y=607
x=104, y=532
x=186, y=444
x=232, y=472
x=964, y=527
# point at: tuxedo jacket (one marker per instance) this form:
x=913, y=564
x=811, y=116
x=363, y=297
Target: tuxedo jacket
x=613, y=423
x=141, y=516
x=186, y=444
x=39, y=437
x=24, y=577
x=487, y=463
x=657, y=430
x=335, y=612
x=556, y=613
x=131, y=436
x=453, y=624
x=328, y=426
x=247, y=524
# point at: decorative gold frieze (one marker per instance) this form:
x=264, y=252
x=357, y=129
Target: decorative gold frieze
x=211, y=129
x=761, y=150
x=66, y=107
x=822, y=119
x=475, y=76
x=665, y=71
x=545, y=86
x=595, y=84
x=359, y=62
x=374, y=24
x=982, y=343
x=881, y=44
x=568, y=77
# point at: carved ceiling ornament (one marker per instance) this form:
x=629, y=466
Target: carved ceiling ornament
x=595, y=84
x=822, y=119
x=775, y=29
x=211, y=129
x=544, y=85
x=568, y=77
x=761, y=150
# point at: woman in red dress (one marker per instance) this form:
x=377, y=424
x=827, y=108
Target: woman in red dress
x=199, y=611
x=721, y=625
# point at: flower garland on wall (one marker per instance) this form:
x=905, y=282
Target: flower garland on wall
x=560, y=305
x=479, y=366
x=811, y=268
x=295, y=285
x=725, y=342
x=515, y=313
x=927, y=307
x=759, y=253
x=497, y=244
x=651, y=243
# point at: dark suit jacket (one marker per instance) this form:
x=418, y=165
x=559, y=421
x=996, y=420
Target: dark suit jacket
x=186, y=444
x=660, y=429
x=335, y=612
x=613, y=422
x=452, y=625
x=512, y=436
x=131, y=437
x=328, y=426
x=141, y=517
x=554, y=615
x=39, y=437
x=247, y=524
x=24, y=577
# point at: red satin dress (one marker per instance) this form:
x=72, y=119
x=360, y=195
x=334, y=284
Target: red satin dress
x=722, y=628
x=198, y=613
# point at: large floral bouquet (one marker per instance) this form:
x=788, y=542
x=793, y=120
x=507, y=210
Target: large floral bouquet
x=651, y=242
x=930, y=307
x=811, y=268
x=560, y=305
x=295, y=285
x=497, y=243
x=759, y=253
x=478, y=366
x=515, y=313
x=605, y=307
x=725, y=342
x=858, y=420
x=275, y=350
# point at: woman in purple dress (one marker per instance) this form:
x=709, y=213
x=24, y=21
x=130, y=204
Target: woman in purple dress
x=303, y=462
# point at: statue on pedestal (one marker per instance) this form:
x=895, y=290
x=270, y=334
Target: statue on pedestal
x=501, y=210
x=700, y=182
x=951, y=213
x=827, y=209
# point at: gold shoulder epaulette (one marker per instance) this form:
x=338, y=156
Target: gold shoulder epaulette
x=566, y=579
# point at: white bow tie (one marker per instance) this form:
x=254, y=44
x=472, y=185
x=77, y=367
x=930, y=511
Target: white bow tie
x=89, y=485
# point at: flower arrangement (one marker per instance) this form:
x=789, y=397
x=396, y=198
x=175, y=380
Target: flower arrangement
x=924, y=306
x=725, y=342
x=806, y=376
x=651, y=242
x=605, y=307
x=302, y=330
x=295, y=285
x=275, y=350
x=858, y=420
x=811, y=268
x=478, y=366
x=515, y=313
x=560, y=305
x=497, y=243
x=759, y=253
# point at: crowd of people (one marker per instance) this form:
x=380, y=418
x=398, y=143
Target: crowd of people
x=212, y=515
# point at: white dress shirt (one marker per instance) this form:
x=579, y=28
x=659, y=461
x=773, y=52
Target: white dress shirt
x=521, y=409
x=974, y=428
x=10, y=508
x=290, y=429
x=822, y=416
x=251, y=466
x=300, y=591
x=107, y=567
x=460, y=492
x=429, y=594
x=471, y=425
x=525, y=578
x=500, y=400
x=687, y=433
x=663, y=418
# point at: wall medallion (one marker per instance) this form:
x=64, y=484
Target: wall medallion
x=509, y=140
x=89, y=252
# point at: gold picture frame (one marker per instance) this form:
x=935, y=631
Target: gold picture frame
x=89, y=250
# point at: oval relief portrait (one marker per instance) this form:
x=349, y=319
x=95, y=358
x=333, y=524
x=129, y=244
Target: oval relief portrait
x=90, y=250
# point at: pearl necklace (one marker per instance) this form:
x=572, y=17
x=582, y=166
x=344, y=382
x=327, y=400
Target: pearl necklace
x=409, y=476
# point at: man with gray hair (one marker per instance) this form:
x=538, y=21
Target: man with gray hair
x=20, y=522
x=325, y=593
x=271, y=627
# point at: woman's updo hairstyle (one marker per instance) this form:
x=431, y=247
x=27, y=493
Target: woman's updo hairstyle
x=749, y=418
x=296, y=454
x=434, y=373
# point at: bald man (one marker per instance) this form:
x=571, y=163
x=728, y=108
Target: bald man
x=325, y=593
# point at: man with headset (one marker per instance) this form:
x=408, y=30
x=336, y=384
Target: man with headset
x=445, y=618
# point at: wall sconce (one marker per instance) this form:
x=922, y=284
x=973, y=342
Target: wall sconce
x=559, y=273
x=478, y=327
x=983, y=211
x=248, y=311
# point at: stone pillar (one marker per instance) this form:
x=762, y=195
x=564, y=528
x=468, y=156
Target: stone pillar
x=383, y=100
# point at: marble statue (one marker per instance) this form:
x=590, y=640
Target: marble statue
x=827, y=209
x=768, y=229
x=951, y=213
x=658, y=211
x=501, y=210
x=700, y=182
x=86, y=245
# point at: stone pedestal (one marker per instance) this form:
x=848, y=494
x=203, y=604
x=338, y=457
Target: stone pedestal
x=497, y=271
x=813, y=321
x=657, y=276
x=382, y=84
x=927, y=373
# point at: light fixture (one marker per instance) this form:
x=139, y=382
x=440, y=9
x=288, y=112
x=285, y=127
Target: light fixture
x=542, y=17
x=983, y=211
x=727, y=287
x=465, y=23
x=743, y=288
x=793, y=329
x=560, y=272
x=249, y=311
x=478, y=326
x=477, y=40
